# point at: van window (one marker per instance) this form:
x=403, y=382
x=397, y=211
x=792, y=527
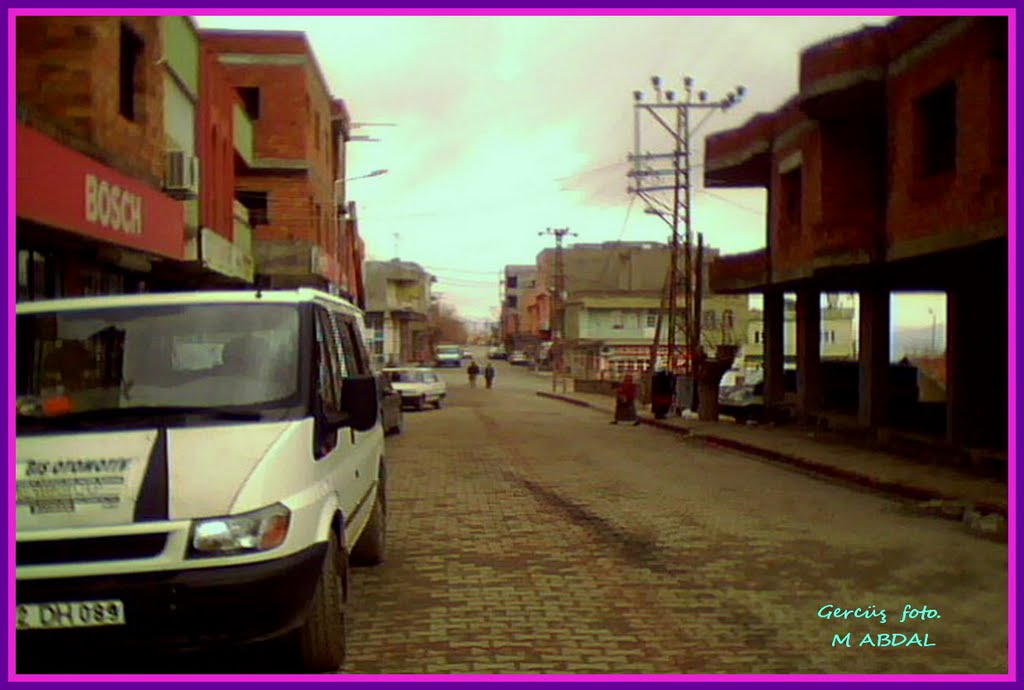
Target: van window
x=191, y=356
x=329, y=363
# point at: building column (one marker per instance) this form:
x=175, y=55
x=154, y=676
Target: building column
x=773, y=348
x=873, y=385
x=808, y=351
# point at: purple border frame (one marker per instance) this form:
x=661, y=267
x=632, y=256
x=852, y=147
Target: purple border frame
x=521, y=7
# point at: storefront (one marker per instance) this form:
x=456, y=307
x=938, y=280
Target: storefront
x=84, y=228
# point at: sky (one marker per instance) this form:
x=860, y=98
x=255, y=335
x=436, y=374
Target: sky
x=494, y=129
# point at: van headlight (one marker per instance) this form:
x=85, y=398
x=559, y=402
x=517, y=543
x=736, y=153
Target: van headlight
x=259, y=530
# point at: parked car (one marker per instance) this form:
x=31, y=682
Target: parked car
x=418, y=386
x=742, y=403
x=518, y=358
x=497, y=353
x=390, y=406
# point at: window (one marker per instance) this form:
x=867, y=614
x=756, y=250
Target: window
x=727, y=322
x=709, y=319
x=250, y=96
x=330, y=362
x=792, y=199
x=131, y=57
x=652, y=319
x=935, y=139
x=511, y=282
x=757, y=336
x=258, y=205
x=513, y=301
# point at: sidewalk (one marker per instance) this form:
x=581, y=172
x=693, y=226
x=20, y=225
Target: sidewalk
x=941, y=490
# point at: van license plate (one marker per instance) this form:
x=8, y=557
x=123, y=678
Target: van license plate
x=70, y=614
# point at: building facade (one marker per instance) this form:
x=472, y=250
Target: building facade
x=518, y=328
x=288, y=187
x=169, y=146
x=613, y=303
x=887, y=171
x=398, y=307
x=95, y=213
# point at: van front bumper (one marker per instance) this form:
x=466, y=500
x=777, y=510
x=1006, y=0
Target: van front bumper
x=182, y=610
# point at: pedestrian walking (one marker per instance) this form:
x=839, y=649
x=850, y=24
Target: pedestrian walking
x=473, y=370
x=489, y=375
x=625, y=402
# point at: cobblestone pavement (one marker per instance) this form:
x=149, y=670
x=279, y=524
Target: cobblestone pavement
x=531, y=536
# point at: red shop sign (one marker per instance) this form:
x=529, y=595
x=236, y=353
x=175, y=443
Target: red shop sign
x=60, y=187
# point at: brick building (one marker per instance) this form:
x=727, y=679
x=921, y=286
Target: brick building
x=886, y=172
x=92, y=215
x=289, y=186
x=113, y=118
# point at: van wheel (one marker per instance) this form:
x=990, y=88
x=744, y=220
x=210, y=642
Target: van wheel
x=320, y=643
x=439, y=403
x=421, y=403
x=369, y=550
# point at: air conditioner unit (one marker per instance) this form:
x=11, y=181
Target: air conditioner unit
x=181, y=177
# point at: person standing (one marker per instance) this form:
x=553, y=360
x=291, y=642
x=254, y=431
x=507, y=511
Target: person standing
x=489, y=375
x=473, y=370
x=625, y=402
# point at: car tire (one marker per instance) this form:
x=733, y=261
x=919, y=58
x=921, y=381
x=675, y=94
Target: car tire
x=421, y=403
x=319, y=645
x=439, y=403
x=370, y=548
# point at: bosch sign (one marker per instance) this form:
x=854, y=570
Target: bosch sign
x=112, y=207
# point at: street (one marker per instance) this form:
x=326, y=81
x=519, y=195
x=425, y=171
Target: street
x=531, y=536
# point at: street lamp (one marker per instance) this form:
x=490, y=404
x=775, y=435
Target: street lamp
x=375, y=173
x=932, y=312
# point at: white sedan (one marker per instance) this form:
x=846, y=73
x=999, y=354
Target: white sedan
x=418, y=386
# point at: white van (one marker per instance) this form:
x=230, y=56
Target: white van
x=194, y=470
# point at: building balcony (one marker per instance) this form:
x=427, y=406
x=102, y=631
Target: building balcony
x=738, y=273
x=243, y=135
x=845, y=77
x=740, y=157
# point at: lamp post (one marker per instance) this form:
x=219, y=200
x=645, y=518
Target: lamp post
x=932, y=312
x=375, y=173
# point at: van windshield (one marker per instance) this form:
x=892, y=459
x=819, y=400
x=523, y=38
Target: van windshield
x=109, y=363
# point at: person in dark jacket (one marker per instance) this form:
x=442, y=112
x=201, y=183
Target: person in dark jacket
x=489, y=375
x=625, y=402
x=473, y=370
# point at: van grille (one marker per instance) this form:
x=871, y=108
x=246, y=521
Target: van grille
x=122, y=547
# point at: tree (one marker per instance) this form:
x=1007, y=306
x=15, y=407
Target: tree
x=446, y=325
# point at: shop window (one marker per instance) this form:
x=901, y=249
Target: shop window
x=131, y=58
x=792, y=199
x=250, y=97
x=935, y=139
x=258, y=205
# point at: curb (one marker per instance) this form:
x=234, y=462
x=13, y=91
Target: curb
x=907, y=491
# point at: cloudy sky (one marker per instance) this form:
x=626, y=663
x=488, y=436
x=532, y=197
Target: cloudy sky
x=494, y=129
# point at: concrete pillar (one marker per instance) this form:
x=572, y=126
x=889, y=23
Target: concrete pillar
x=808, y=351
x=873, y=391
x=957, y=368
x=774, y=348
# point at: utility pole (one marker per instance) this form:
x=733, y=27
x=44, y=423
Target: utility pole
x=647, y=182
x=558, y=299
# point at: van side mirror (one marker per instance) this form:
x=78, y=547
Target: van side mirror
x=360, y=402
